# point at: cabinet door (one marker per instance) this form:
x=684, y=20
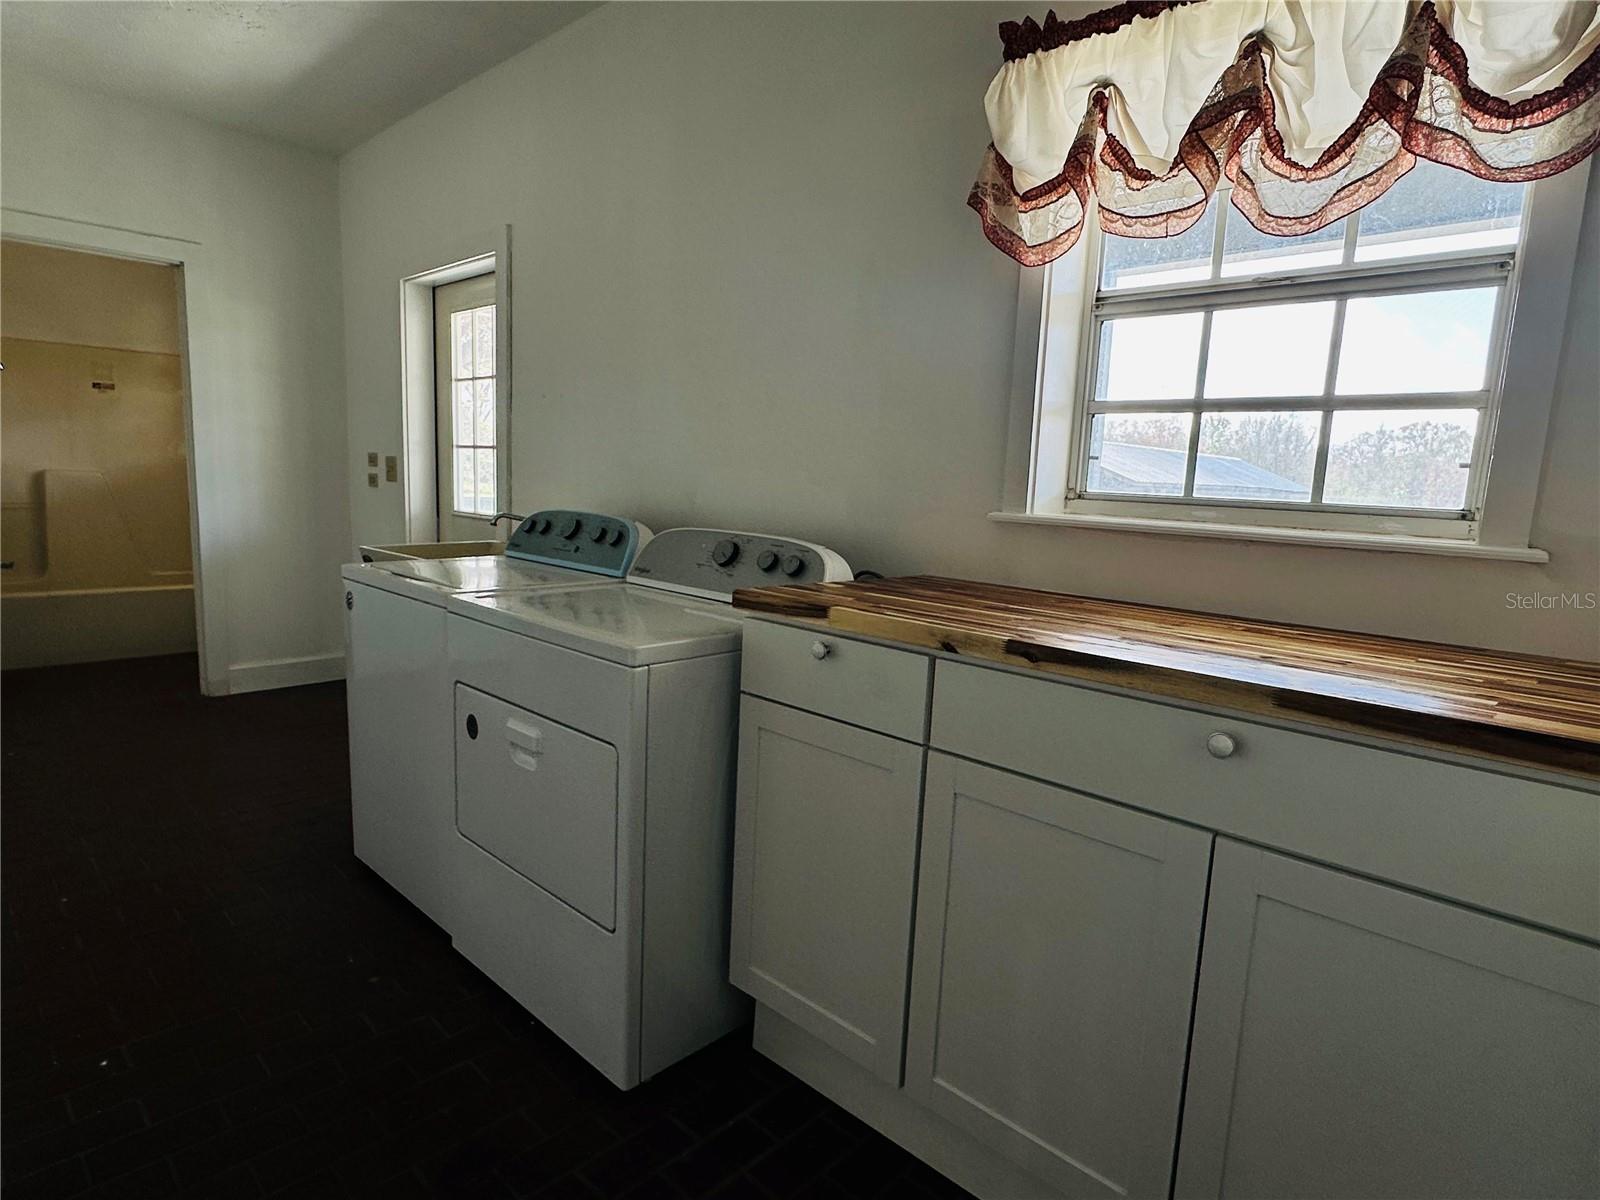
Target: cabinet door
x=824, y=873
x=402, y=793
x=1355, y=1040
x=1056, y=948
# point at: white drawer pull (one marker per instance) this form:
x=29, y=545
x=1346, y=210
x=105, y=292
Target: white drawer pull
x=820, y=649
x=1221, y=745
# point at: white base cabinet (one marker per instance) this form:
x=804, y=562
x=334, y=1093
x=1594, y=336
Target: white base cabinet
x=1114, y=988
x=1057, y=938
x=824, y=872
x=1355, y=1040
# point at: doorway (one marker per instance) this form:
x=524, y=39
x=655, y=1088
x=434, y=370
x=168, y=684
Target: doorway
x=466, y=455
x=96, y=557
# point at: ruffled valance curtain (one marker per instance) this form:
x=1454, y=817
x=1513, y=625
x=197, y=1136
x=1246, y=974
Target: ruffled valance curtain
x=1312, y=108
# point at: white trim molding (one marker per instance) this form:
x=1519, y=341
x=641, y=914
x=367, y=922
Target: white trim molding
x=284, y=672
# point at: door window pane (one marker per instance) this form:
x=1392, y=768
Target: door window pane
x=1139, y=454
x=1400, y=458
x=1418, y=342
x=485, y=405
x=1438, y=210
x=1271, y=350
x=1267, y=456
x=464, y=415
x=483, y=343
x=466, y=482
x=1149, y=358
x=486, y=481
x=461, y=345
x=1160, y=262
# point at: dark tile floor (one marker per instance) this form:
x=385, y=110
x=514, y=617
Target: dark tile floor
x=205, y=994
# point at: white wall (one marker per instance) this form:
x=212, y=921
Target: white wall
x=266, y=217
x=747, y=293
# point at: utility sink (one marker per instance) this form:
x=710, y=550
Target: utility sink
x=430, y=550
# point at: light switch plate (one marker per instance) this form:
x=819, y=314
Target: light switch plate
x=372, y=479
x=372, y=458
x=391, y=468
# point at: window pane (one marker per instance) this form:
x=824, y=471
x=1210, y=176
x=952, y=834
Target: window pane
x=1257, y=456
x=486, y=481
x=1400, y=458
x=1271, y=350
x=1436, y=210
x=461, y=345
x=483, y=330
x=464, y=417
x=485, y=435
x=1248, y=251
x=1149, y=358
x=1418, y=342
x=1154, y=262
x=1139, y=453
x=466, y=482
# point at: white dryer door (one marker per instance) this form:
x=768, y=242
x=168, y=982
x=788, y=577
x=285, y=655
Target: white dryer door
x=542, y=798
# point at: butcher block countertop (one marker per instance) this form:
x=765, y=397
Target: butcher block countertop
x=1517, y=708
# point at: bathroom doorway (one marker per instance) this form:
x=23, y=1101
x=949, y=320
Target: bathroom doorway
x=95, y=503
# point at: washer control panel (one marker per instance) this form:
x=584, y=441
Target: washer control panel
x=716, y=562
x=584, y=541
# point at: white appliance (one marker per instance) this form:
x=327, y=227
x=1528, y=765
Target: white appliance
x=402, y=787
x=595, y=734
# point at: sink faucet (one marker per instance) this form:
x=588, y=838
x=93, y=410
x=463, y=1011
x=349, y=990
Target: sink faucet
x=506, y=516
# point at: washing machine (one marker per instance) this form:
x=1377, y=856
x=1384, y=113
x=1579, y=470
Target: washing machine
x=398, y=691
x=595, y=734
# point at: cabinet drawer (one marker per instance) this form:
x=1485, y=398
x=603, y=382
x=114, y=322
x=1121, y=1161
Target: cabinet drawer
x=1510, y=845
x=871, y=686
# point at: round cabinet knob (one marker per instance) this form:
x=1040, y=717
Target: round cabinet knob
x=600, y=534
x=820, y=649
x=571, y=527
x=793, y=564
x=767, y=560
x=1221, y=745
x=724, y=552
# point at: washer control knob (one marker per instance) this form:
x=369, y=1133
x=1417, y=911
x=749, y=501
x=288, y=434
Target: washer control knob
x=724, y=552
x=793, y=565
x=571, y=527
x=820, y=649
x=542, y=525
x=600, y=533
x=767, y=560
x=1221, y=745
x=617, y=535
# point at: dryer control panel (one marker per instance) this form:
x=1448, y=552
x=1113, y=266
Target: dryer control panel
x=715, y=562
x=584, y=541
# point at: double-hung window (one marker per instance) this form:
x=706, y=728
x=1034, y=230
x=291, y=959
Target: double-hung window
x=1347, y=380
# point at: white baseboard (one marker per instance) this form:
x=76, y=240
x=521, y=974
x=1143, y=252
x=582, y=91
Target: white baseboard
x=284, y=672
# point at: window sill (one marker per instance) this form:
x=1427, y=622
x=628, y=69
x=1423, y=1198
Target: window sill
x=1334, y=539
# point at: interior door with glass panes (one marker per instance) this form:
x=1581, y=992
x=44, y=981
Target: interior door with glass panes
x=464, y=407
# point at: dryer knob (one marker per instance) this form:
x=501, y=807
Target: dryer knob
x=767, y=560
x=571, y=527
x=724, y=552
x=793, y=565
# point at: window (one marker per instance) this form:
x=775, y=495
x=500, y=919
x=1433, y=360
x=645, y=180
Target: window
x=473, y=411
x=1344, y=381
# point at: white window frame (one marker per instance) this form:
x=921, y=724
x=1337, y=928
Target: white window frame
x=1051, y=383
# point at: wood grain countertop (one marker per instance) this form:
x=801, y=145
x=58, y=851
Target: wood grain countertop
x=1518, y=708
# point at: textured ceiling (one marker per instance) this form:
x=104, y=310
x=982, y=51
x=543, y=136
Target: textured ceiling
x=327, y=74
